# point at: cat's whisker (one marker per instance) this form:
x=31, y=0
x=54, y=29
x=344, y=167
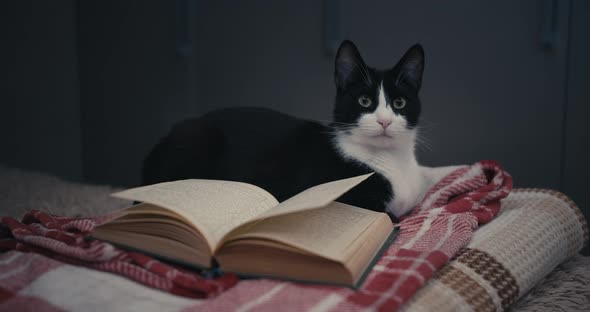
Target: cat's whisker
x=423, y=142
x=364, y=72
x=343, y=128
x=426, y=128
x=424, y=122
x=336, y=123
x=400, y=78
x=344, y=124
x=337, y=130
x=426, y=125
x=424, y=147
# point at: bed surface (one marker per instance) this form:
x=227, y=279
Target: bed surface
x=566, y=288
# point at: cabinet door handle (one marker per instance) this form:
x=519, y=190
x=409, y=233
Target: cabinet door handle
x=549, y=24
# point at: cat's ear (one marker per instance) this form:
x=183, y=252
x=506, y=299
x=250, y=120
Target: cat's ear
x=349, y=65
x=411, y=67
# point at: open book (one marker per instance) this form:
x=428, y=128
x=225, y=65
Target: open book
x=245, y=230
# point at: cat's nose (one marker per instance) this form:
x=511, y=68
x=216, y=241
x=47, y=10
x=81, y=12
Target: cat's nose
x=384, y=122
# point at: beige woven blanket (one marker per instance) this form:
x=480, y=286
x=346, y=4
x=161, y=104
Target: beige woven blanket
x=535, y=231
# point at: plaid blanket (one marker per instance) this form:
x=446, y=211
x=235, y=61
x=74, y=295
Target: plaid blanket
x=63, y=239
x=436, y=230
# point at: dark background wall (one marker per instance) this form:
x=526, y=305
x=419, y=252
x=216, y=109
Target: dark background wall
x=89, y=86
x=39, y=98
x=133, y=83
x=576, y=125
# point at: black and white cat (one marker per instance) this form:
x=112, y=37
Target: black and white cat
x=374, y=128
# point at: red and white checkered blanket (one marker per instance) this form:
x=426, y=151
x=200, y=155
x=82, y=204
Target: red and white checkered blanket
x=436, y=230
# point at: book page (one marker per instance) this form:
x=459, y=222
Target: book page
x=214, y=207
x=315, y=197
x=328, y=232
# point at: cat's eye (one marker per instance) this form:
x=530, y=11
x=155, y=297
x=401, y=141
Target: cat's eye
x=365, y=101
x=399, y=103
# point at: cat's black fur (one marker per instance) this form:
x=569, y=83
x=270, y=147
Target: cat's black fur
x=295, y=155
x=283, y=154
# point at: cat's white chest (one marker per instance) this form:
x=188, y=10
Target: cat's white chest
x=406, y=180
x=408, y=191
x=400, y=169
